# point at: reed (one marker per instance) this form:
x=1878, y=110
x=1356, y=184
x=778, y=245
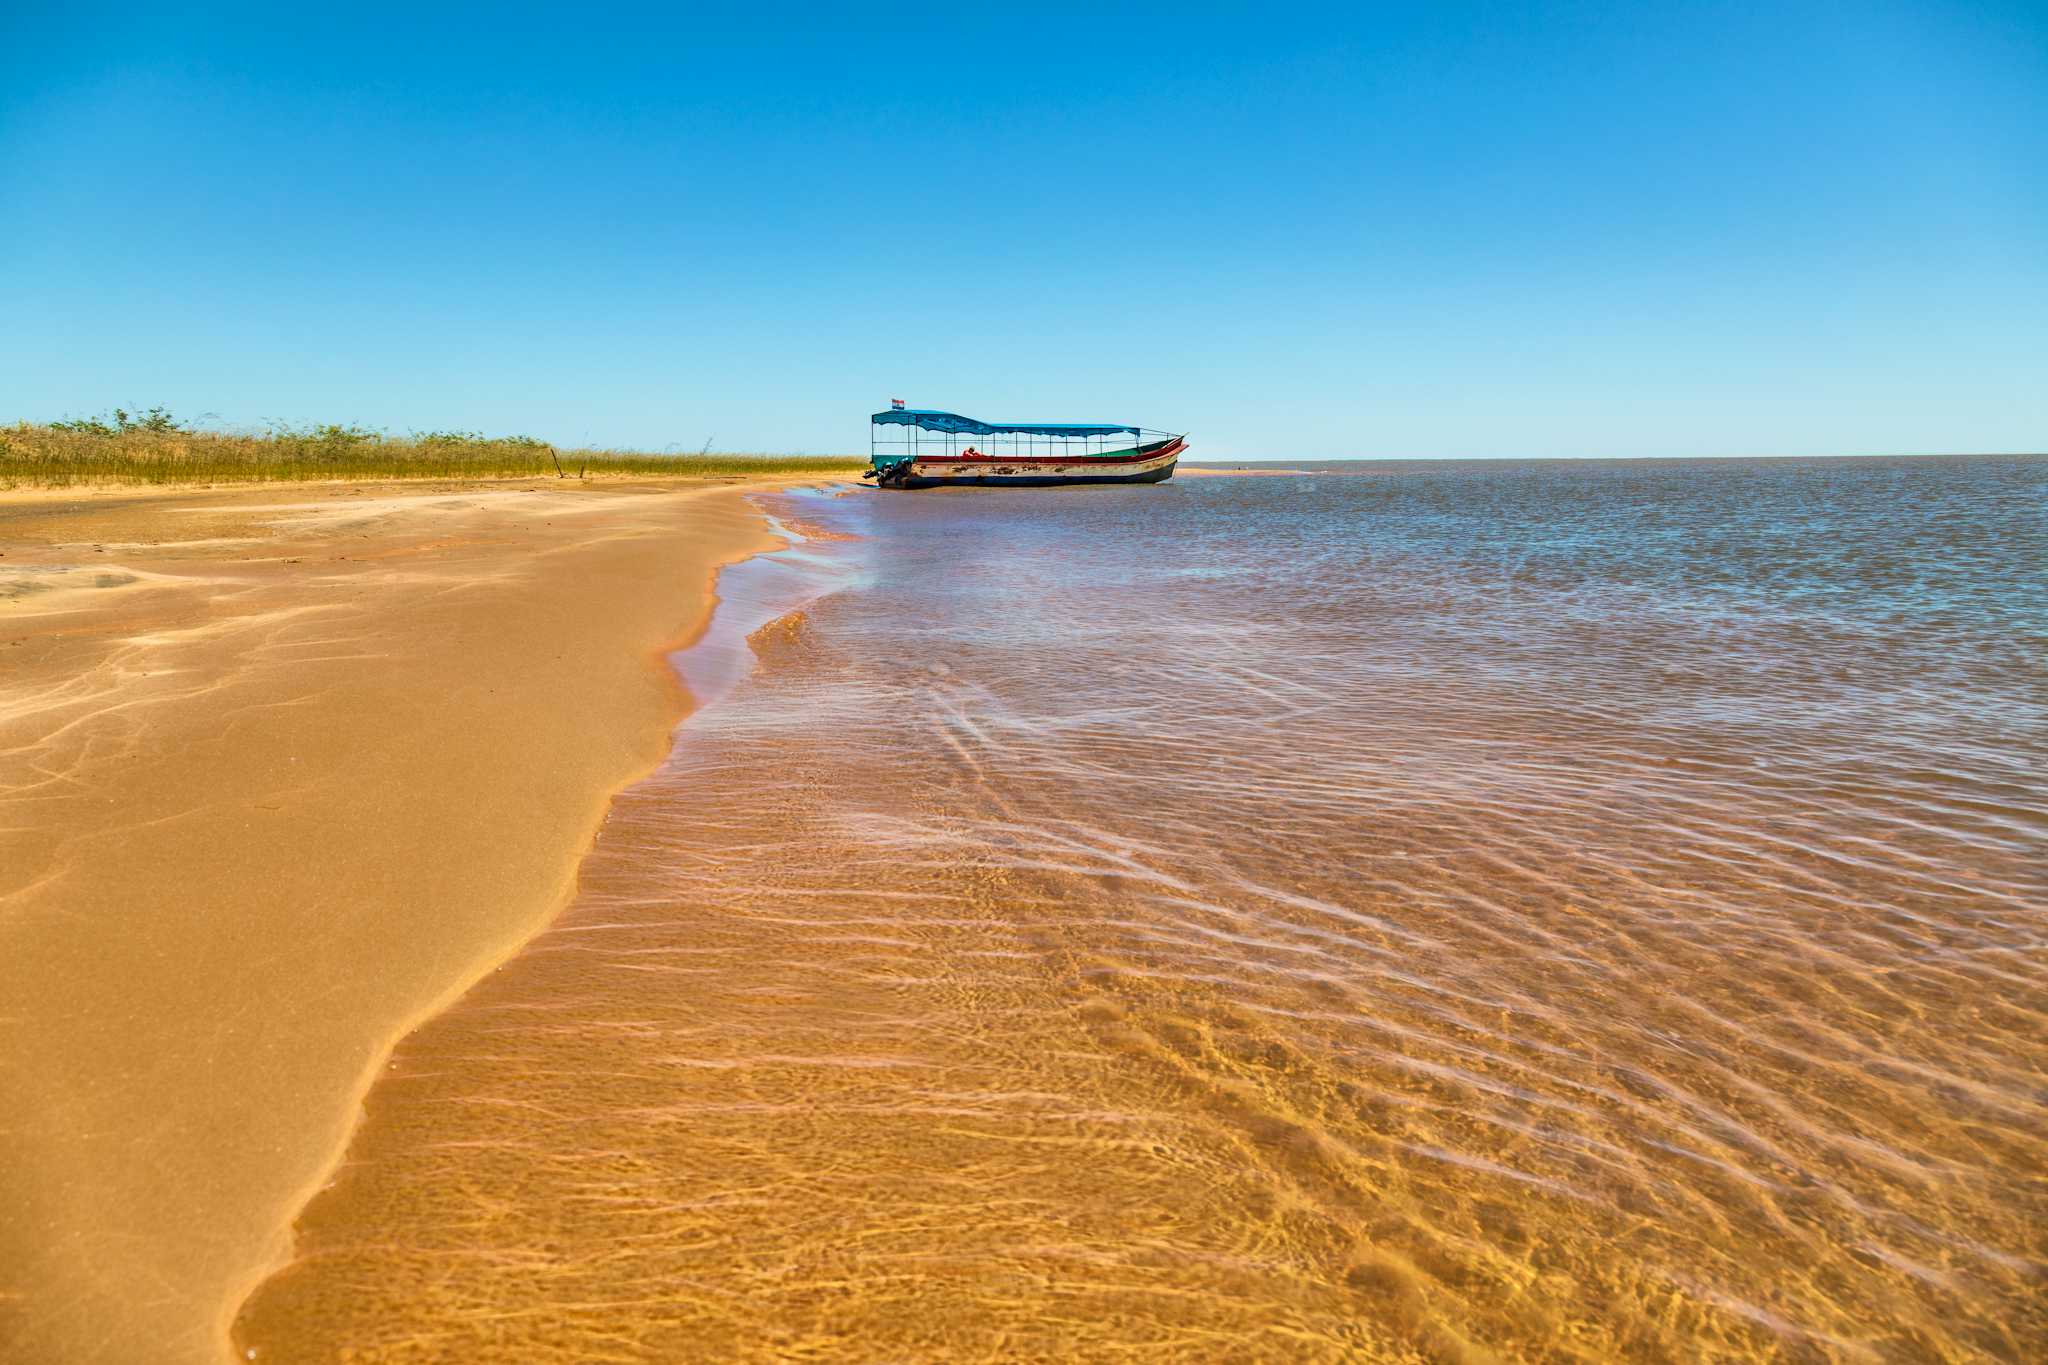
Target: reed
x=154, y=448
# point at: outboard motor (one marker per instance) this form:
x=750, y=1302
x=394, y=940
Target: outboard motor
x=889, y=472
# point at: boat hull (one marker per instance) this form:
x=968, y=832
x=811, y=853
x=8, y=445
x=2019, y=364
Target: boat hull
x=1146, y=464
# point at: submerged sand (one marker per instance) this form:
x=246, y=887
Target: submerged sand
x=282, y=771
x=1275, y=923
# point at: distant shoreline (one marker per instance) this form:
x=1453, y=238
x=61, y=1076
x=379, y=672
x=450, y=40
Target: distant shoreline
x=1293, y=464
x=1241, y=471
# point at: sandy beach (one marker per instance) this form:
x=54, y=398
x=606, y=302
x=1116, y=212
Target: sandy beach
x=284, y=770
x=1209, y=920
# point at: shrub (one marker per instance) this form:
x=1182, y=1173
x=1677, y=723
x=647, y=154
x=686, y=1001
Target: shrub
x=155, y=448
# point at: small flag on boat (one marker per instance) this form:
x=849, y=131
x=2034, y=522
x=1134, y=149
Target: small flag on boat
x=896, y=404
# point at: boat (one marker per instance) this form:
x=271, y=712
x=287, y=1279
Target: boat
x=925, y=448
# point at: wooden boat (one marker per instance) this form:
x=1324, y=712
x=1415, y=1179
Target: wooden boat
x=924, y=448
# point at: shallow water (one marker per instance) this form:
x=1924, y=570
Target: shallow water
x=1428, y=910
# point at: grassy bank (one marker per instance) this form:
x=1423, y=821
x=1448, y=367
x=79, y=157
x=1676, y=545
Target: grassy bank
x=153, y=449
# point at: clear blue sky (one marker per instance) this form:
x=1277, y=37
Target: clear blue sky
x=1377, y=230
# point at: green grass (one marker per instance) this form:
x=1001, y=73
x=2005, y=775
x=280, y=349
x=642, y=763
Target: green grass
x=154, y=449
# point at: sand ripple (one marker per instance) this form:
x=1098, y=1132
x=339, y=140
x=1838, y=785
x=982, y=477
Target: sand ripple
x=1521, y=919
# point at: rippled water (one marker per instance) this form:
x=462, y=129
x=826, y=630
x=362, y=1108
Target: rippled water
x=1539, y=910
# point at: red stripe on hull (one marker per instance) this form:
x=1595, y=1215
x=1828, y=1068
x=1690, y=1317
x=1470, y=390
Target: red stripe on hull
x=1142, y=453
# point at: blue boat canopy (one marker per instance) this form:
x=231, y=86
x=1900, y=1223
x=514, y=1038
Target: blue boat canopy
x=967, y=426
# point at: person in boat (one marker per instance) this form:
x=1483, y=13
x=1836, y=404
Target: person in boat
x=972, y=454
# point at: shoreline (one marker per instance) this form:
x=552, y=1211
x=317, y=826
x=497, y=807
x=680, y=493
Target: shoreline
x=168, y=647
x=1097, y=954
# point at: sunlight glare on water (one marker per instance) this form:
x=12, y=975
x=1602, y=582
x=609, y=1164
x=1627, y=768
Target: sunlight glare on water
x=1531, y=910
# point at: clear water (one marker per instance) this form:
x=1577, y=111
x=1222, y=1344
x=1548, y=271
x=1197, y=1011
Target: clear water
x=1509, y=910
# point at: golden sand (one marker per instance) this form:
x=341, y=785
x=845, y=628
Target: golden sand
x=283, y=771
x=943, y=996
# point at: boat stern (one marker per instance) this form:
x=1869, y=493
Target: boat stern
x=888, y=471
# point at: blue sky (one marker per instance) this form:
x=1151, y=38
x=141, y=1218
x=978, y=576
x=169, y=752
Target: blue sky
x=1378, y=230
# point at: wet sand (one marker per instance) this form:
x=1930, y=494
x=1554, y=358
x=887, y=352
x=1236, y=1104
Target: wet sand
x=1523, y=912
x=282, y=772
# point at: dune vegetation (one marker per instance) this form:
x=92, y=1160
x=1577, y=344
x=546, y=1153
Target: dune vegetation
x=155, y=448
